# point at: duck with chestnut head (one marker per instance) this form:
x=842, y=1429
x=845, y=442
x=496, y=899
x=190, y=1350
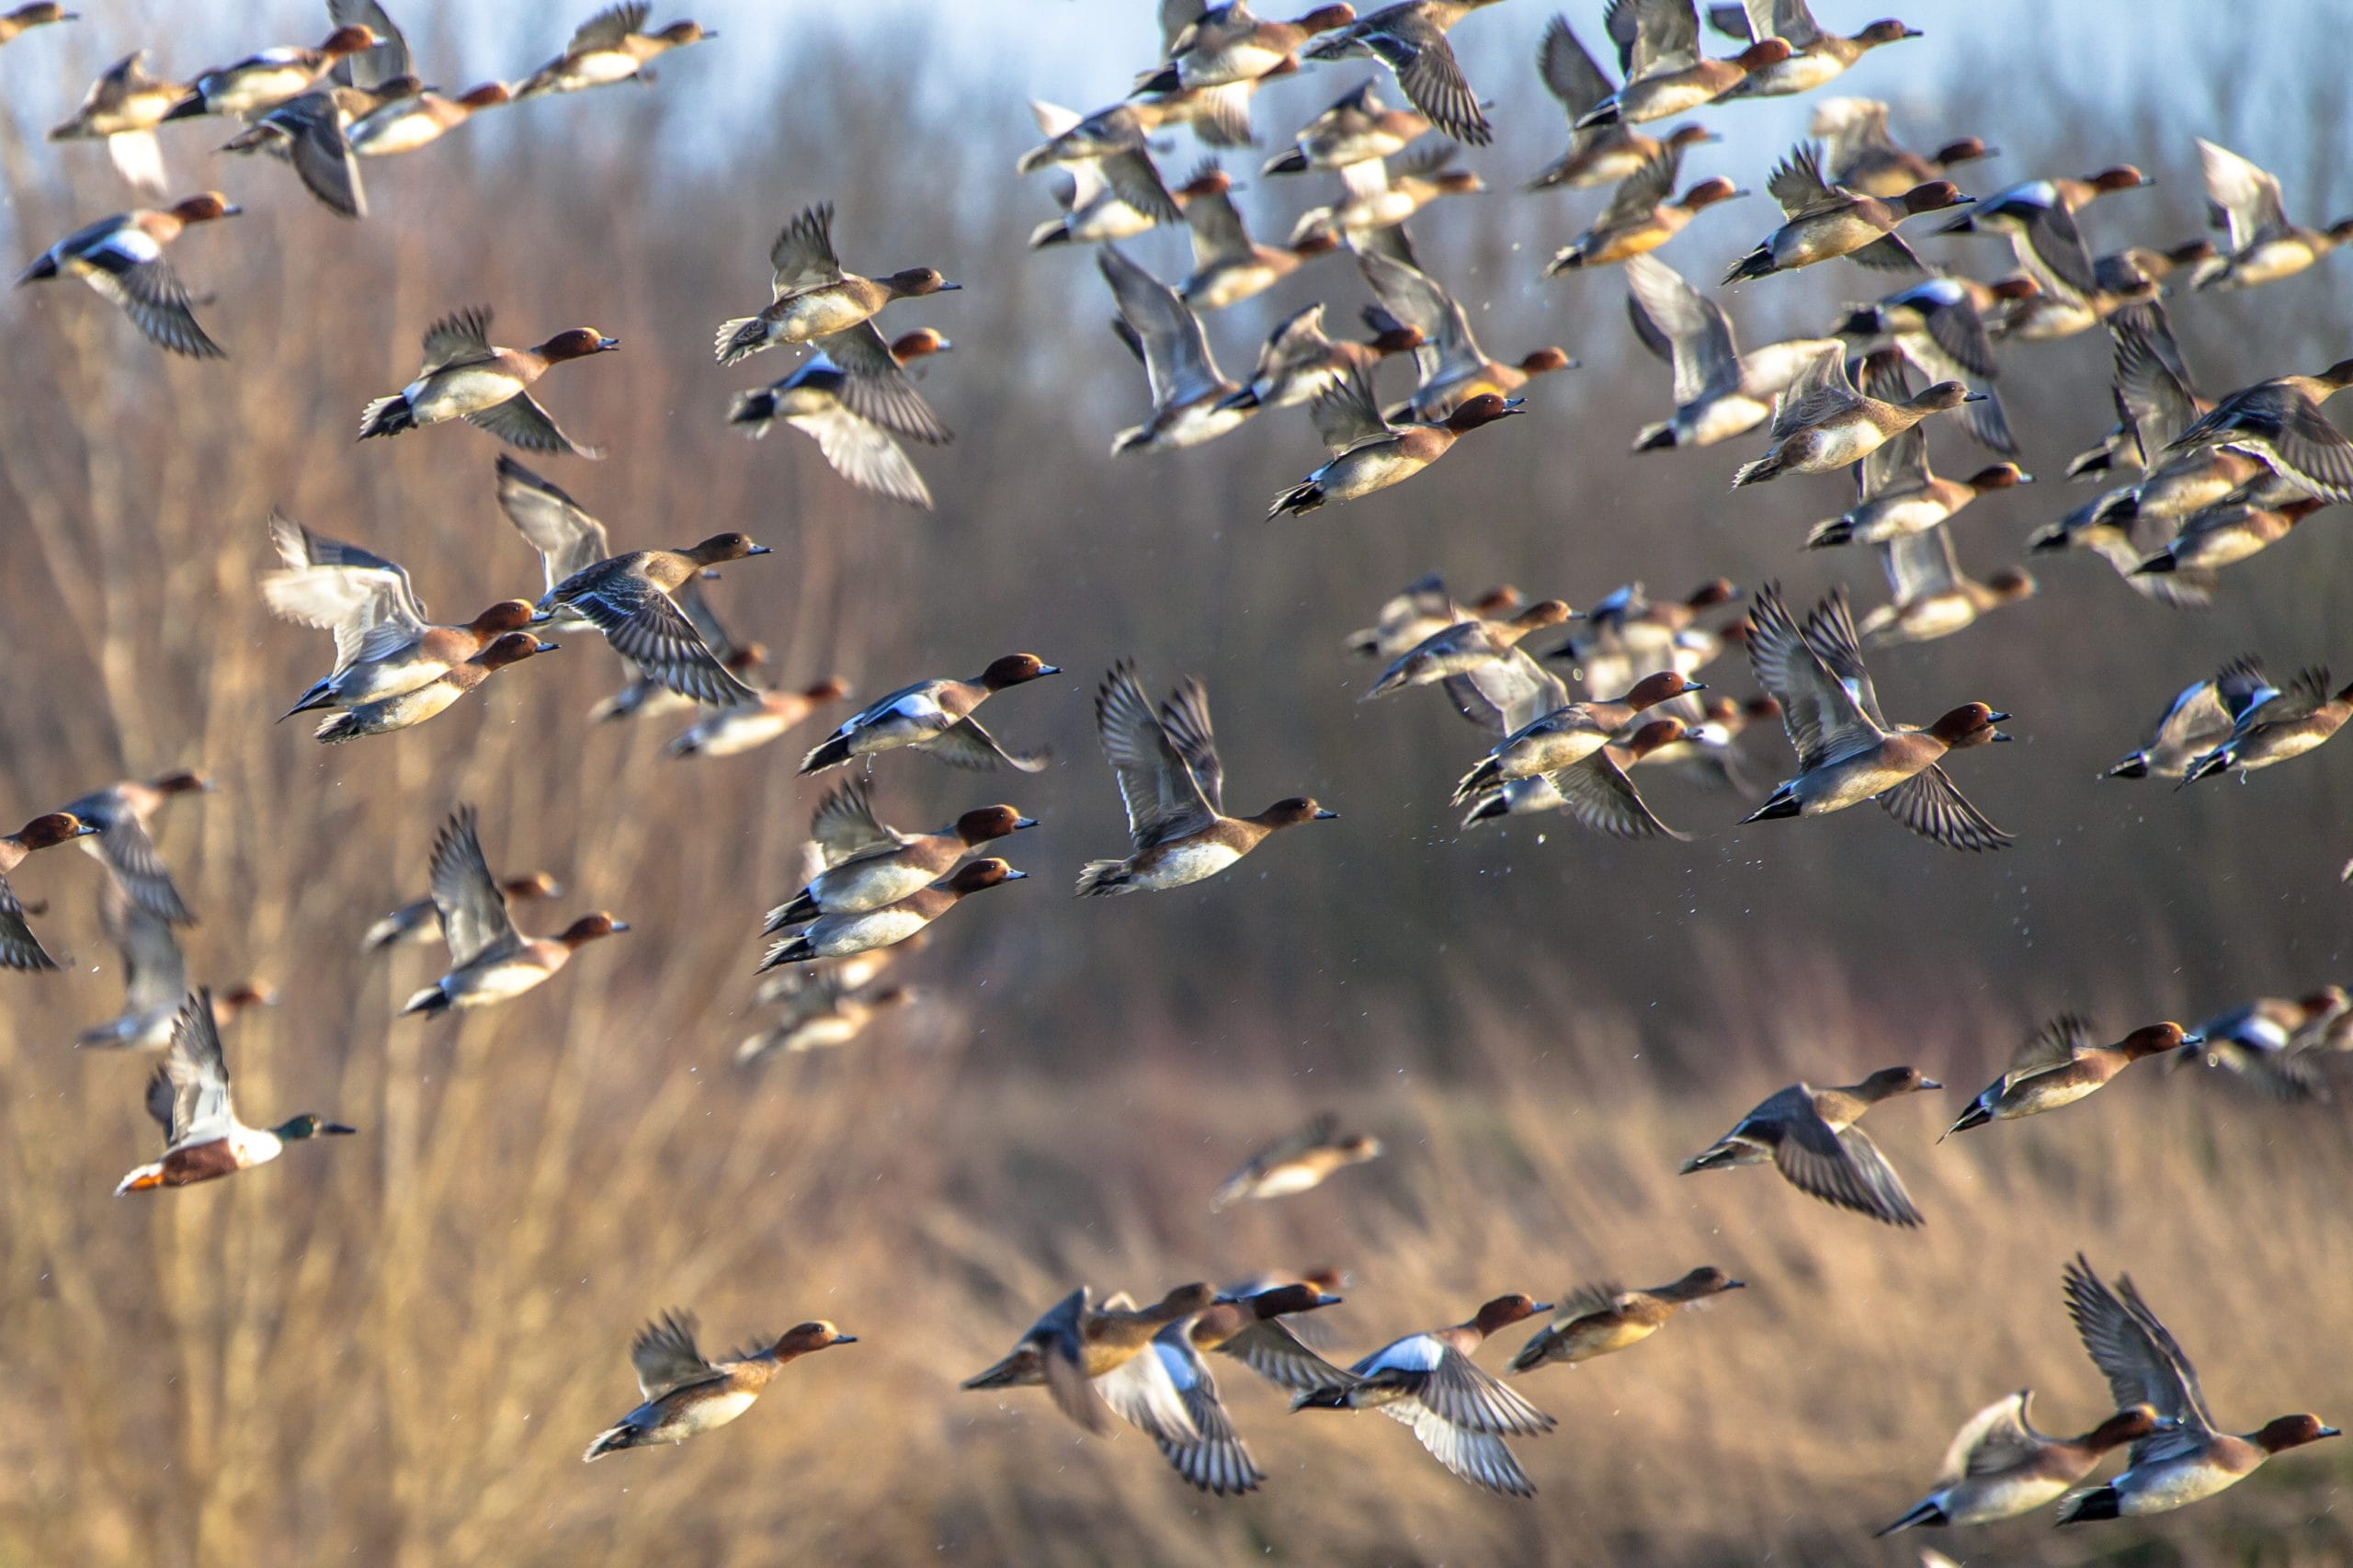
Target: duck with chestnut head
x=464, y=376
x=122, y=259
x=687, y=1395
x=491, y=961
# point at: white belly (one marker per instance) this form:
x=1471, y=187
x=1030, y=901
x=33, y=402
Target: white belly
x=730, y=733
x=404, y=133
x=856, y=933
x=498, y=982
x=602, y=68
x=1724, y=419
x=453, y=395
x=1186, y=863
x=816, y=313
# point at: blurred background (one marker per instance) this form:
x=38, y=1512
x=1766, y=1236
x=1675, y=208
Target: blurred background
x=391, y=1350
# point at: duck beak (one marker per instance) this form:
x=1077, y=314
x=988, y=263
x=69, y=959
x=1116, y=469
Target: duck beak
x=946, y=288
x=545, y=647
x=607, y=345
x=2002, y=737
x=336, y=1129
x=2330, y=1432
x=1324, y=814
x=1323, y=1301
x=81, y=830
x=620, y=926
x=759, y=549
x=1513, y=404
x=1976, y=397
x=1930, y=1084
x=1735, y=1284
x=232, y=211
x=1016, y=876
x=540, y=617
x=1050, y=669
x=1999, y=717
x=1695, y=686
x=1020, y=823
x=1540, y=1307
x=2193, y=1040
x=838, y=1339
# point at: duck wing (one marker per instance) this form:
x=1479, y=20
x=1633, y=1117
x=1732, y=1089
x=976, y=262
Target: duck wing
x=129, y=270
x=154, y=974
x=1932, y=805
x=1344, y=413
x=521, y=421
x=875, y=386
x=374, y=66
x=1185, y=718
x=123, y=846
x=1639, y=194
x=1432, y=78
x=1177, y=359
x=1798, y=185
x=802, y=256
x=1481, y=1458
x=1569, y=72
x=865, y=454
x=1822, y=717
x=843, y=825
x=2054, y=1045
x=459, y=338
x=1840, y=1166
x=2248, y=195
x=1164, y=799
x=2135, y=1353
x=664, y=1356
x=569, y=541
x=474, y=919
x=1215, y=1460
x=1997, y=1438
x=965, y=744
x=608, y=27
x=1815, y=393
x=198, y=1075
x=20, y=948
x=1274, y=1350
x=1653, y=36
x=1698, y=338
x=1462, y=1394
x=1602, y=798
x=651, y=631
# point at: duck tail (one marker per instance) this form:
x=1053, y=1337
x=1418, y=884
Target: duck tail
x=45, y=267
x=1658, y=437
x=1977, y=1115
x=1831, y=534
x=1165, y=79
x=800, y=908
x=319, y=696
x=432, y=1002
x=1757, y=472
x=611, y=1440
x=832, y=752
x=753, y=412
x=2133, y=766
x=1053, y=232
x=2094, y=1503
x=381, y=935
x=740, y=338
x=1717, y=1158
x=2212, y=762
x=1100, y=879
x=2157, y=564
x=797, y=950
x=1334, y=1397
x=1568, y=260
x=1014, y=1371
x=190, y=107
x=1784, y=803
x=1299, y=499
x=1925, y=1513
x=1758, y=263
x=1478, y=781
x=1292, y=161
x=1490, y=806
x=387, y=416
x=339, y=728
x=140, y=1180
x=1531, y=1355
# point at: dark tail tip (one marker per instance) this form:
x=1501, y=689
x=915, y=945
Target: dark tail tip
x=1783, y=804
x=2100, y=1502
x=1657, y=439
x=1927, y=1514
x=188, y=107
x=2133, y=766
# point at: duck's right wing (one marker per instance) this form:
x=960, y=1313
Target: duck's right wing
x=1164, y=797
x=569, y=541
x=2139, y=1370
x=802, y=256
x=2248, y=195
x=664, y=1356
x=1822, y=717
x=474, y=919
x=1931, y=804
x=1177, y=357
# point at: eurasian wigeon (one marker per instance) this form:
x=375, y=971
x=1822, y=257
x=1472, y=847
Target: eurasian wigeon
x=1174, y=788
x=1358, y=126
x=1464, y=646
x=1658, y=48
x=154, y=978
x=311, y=135
x=122, y=259
x=1567, y=733
x=1719, y=391
x=2200, y=718
x=489, y=960
x=1940, y=327
x=418, y=922
x=383, y=716
x=120, y=814
x=2279, y=421
x=1815, y=56
x=1421, y=609
x=1296, y=1163
x=1595, y=1320
x=625, y=597
x=384, y=646
x=2279, y=725
x=644, y=696
x=1228, y=265
x=1228, y=43
x=1192, y=401
x=15, y=24
x=20, y=948
x=609, y=47
x=261, y=81
x=851, y=397
x=1113, y=190
x=747, y=726
x=839, y=936
x=2243, y=524
x=2060, y=1063
x=465, y=377
x=1369, y=453
x=122, y=108
x=1998, y=1465
x=2262, y=245
x=1847, y=752
x=2185, y=1459
x=825, y=1015
x=1862, y=155
x=2039, y=217
x=1215, y=1457
x=1087, y=1353
x=1410, y=38
x=1810, y=1136
x=815, y=299
x=188, y=1097
x=868, y=863
x=1823, y=220
x=1298, y=362
x=1822, y=424
x=1452, y=369
x=420, y=118
x=1643, y=214
x=1457, y=1409
x=1929, y=595
x=2265, y=1042
x=686, y=1396
x=1598, y=154
x=935, y=716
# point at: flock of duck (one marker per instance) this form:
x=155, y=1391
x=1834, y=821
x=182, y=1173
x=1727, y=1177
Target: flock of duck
x=2191, y=485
